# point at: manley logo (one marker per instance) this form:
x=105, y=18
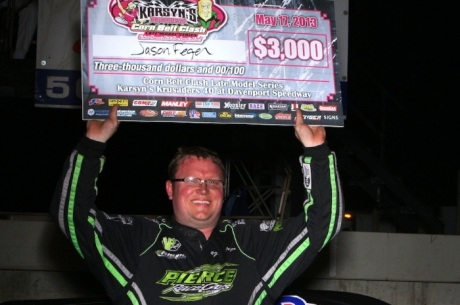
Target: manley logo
x=182, y=104
x=199, y=283
x=188, y=21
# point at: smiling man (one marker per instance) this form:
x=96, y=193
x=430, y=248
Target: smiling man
x=195, y=256
x=197, y=202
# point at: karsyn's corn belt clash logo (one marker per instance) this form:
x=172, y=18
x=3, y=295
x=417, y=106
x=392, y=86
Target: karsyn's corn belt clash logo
x=185, y=21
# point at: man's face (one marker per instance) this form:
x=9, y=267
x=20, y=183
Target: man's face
x=198, y=207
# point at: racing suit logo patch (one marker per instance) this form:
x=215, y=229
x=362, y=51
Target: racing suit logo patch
x=306, y=176
x=271, y=225
x=170, y=244
x=278, y=226
x=199, y=283
x=267, y=226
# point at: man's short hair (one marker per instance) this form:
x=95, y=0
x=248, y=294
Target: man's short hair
x=193, y=151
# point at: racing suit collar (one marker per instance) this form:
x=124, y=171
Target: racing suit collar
x=188, y=232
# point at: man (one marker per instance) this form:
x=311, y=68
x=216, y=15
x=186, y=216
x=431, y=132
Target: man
x=195, y=257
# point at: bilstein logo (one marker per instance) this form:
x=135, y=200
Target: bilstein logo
x=170, y=244
x=186, y=21
x=199, y=283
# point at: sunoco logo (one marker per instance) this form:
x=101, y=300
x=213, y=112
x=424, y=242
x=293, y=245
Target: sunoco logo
x=198, y=283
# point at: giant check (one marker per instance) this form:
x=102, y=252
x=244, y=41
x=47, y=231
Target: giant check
x=211, y=61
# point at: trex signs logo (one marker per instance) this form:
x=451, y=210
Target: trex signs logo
x=187, y=21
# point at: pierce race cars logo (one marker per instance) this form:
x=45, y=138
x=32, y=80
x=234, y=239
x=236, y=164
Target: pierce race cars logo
x=198, y=283
x=185, y=21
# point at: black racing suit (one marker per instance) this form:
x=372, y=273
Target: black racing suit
x=159, y=261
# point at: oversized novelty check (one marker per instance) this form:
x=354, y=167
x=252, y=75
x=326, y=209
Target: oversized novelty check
x=211, y=61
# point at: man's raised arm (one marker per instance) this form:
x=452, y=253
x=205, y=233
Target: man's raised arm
x=310, y=136
x=102, y=131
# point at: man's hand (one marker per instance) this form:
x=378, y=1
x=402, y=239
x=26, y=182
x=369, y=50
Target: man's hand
x=309, y=135
x=101, y=131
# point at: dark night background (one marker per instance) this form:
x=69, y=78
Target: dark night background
x=401, y=79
